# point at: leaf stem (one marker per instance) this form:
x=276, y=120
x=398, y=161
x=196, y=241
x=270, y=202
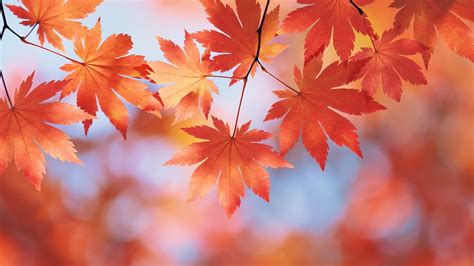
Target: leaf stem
x=219, y=76
x=6, y=90
x=264, y=69
x=32, y=28
x=361, y=12
x=49, y=50
x=364, y=15
x=256, y=60
x=240, y=107
x=370, y=35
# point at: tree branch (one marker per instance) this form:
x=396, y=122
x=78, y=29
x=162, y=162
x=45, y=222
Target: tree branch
x=362, y=13
x=357, y=7
x=4, y=28
x=6, y=90
x=4, y=19
x=256, y=60
x=5, y=22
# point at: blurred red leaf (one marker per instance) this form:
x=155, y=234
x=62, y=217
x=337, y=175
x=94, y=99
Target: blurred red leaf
x=442, y=16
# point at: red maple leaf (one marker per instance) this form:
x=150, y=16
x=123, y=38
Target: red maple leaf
x=230, y=161
x=314, y=112
x=107, y=70
x=387, y=64
x=442, y=16
x=55, y=17
x=188, y=74
x=26, y=127
x=338, y=18
x=237, y=42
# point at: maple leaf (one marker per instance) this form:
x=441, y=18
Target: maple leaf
x=337, y=17
x=442, y=16
x=26, y=127
x=387, y=64
x=229, y=161
x=237, y=43
x=312, y=112
x=188, y=74
x=55, y=18
x=106, y=71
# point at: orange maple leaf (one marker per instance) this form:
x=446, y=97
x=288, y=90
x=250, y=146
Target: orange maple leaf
x=55, y=17
x=26, y=127
x=312, y=112
x=337, y=17
x=387, y=64
x=106, y=71
x=442, y=16
x=229, y=161
x=188, y=73
x=237, y=42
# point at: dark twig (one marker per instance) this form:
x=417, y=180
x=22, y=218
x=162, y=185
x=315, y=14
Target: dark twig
x=256, y=60
x=6, y=90
x=5, y=23
x=362, y=13
x=4, y=19
x=357, y=7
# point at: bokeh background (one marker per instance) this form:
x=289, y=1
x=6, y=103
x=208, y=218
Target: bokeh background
x=408, y=202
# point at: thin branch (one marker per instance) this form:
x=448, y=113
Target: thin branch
x=49, y=50
x=222, y=77
x=256, y=60
x=5, y=27
x=245, y=79
x=240, y=107
x=370, y=35
x=5, y=23
x=4, y=18
x=264, y=69
x=362, y=13
x=32, y=28
x=6, y=90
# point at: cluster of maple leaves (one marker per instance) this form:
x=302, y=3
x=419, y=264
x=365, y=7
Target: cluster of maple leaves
x=242, y=42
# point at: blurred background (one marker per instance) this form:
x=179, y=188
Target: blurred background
x=410, y=201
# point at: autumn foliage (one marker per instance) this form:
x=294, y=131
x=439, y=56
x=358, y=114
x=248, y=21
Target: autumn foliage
x=24, y=128
x=244, y=38
x=353, y=119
